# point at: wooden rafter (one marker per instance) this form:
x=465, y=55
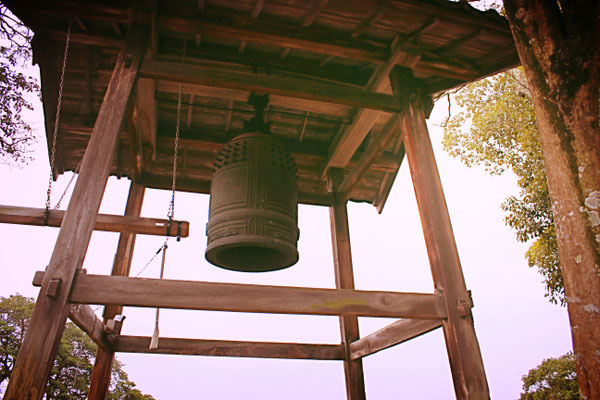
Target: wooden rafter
x=291, y=87
x=344, y=146
x=104, y=222
x=228, y=348
x=374, y=150
x=374, y=16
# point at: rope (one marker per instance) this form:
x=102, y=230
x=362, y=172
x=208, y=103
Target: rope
x=56, y=122
x=154, y=340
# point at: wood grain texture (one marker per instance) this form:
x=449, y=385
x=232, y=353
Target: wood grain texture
x=193, y=295
x=225, y=348
x=102, y=372
x=391, y=335
x=466, y=364
x=85, y=318
x=40, y=345
x=291, y=87
x=344, y=279
x=104, y=222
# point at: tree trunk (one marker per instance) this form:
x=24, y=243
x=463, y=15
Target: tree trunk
x=559, y=47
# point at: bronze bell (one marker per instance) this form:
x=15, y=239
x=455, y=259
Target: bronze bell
x=253, y=213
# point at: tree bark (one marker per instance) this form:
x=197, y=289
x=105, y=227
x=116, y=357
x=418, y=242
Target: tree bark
x=559, y=47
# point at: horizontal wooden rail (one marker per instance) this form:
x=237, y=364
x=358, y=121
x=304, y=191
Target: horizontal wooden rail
x=140, y=292
x=104, y=222
x=285, y=86
x=226, y=348
x=391, y=335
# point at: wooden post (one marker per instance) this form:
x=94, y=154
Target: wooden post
x=39, y=348
x=344, y=279
x=102, y=371
x=463, y=348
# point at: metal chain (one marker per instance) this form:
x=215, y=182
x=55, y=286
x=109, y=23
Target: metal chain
x=64, y=193
x=57, y=118
x=161, y=248
x=171, y=211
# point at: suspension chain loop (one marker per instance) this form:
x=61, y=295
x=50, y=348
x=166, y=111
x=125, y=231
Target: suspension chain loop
x=56, y=121
x=171, y=211
x=64, y=193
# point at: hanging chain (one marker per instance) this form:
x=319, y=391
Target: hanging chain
x=64, y=193
x=171, y=211
x=56, y=120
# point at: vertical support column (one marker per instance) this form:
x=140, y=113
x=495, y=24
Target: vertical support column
x=40, y=345
x=344, y=279
x=102, y=371
x=469, y=377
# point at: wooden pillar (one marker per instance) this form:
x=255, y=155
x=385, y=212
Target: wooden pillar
x=463, y=348
x=39, y=348
x=344, y=279
x=102, y=371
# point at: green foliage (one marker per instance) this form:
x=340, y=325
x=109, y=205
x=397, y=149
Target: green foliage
x=72, y=370
x=554, y=378
x=15, y=133
x=496, y=129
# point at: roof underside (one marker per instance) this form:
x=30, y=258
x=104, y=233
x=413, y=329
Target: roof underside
x=335, y=45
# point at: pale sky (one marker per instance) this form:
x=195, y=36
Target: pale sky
x=516, y=326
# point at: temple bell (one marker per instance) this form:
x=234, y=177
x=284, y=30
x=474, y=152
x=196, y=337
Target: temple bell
x=253, y=212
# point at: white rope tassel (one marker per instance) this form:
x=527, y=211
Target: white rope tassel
x=154, y=340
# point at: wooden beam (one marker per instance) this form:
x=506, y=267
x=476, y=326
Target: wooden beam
x=226, y=348
x=291, y=87
x=466, y=363
x=192, y=295
x=393, y=334
x=344, y=279
x=314, y=12
x=104, y=222
x=373, y=16
x=376, y=147
x=40, y=345
x=145, y=106
x=319, y=107
x=345, y=144
x=261, y=32
x=102, y=372
x=84, y=317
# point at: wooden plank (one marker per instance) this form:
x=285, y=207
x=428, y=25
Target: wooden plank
x=40, y=344
x=261, y=32
x=376, y=147
x=226, y=348
x=242, y=96
x=393, y=334
x=291, y=87
x=344, y=146
x=466, y=363
x=84, y=317
x=126, y=245
x=344, y=279
x=145, y=106
x=102, y=372
x=193, y=295
x=104, y=222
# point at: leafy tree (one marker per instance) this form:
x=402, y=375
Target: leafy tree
x=71, y=374
x=496, y=128
x=15, y=133
x=554, y=378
